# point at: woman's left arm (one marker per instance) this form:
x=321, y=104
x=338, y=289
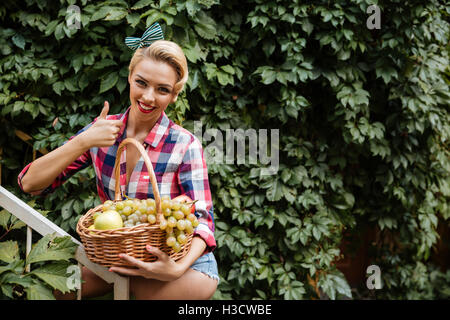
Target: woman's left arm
x=165, y=268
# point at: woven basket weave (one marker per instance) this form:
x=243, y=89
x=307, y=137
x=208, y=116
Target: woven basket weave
x=104, y=246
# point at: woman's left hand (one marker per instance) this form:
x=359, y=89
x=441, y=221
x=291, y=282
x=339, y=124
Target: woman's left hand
x=164, y=268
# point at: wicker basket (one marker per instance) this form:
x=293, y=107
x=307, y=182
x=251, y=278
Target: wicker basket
x=104, y=246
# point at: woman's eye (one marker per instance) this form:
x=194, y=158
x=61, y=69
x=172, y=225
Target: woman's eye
x=142, y=83
x=165, y=90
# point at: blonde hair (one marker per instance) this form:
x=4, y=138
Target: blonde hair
x=165, y=51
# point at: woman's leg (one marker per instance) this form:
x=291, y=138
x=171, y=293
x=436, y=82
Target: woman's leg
x=192, y=285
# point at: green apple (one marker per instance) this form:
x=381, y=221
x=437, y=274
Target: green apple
x=108, y=220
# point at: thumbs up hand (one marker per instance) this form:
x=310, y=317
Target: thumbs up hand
x=104, y=132
x=105, y=111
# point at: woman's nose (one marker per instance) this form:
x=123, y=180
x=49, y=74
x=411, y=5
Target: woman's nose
x=149, y=95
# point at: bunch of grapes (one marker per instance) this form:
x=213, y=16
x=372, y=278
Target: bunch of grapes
x=178, y=221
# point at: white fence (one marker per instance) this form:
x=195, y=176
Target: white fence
x=37, y=222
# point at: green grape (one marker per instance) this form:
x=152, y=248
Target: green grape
x=150, y=202
x=128, y=224
x=127, y=210
x=169, y=230
x=171, y=241
x=167, y=212
x=151, y=209
x=124, y=217
x=128, y=203
x=191, y=217
x=181, y=224
x=176, y=247
x=135, y=205
x=171, y=221
x=108, y=205
x=143, y=218
x=133, y=217
x=165, y=204
x=195, y=223
x=120, y=205
x=176, y=205
x=189, y=228
x=151, y=219
x=143, y=208
x=163, y=224
x=186, y=209
x=178, y=215
x=165, y=198
x=182, y=239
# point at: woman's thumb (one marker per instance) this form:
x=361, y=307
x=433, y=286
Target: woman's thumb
x=105, y=111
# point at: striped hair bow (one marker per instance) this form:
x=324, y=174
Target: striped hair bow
x=150, y=35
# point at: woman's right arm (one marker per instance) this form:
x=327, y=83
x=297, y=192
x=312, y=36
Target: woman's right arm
x=44, y=170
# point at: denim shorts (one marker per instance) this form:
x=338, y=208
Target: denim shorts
x=207, y=264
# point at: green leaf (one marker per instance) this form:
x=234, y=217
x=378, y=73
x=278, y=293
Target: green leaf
x=105, y=63
x=205, y=26
x=116, y=14
x=142, y=4
x=4, y=218
x=268, y=76
x=9, y=251
x=16, y=223
x=54, y=274
x=39, y=292
x=20, y=279
x=275, y=191
x=133, y=19
x=228, y=69
x=194, y=53
x=51, y=247
x=108, y=82
x=58, y=87
x=19, y=41
x=67, y=209
x=17, y=267
x=101, y=13
x=349, y=199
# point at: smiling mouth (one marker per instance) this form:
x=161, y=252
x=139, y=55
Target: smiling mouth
x=144, y=107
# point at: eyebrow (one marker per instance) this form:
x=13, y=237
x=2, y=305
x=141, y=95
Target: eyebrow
x=160, y=84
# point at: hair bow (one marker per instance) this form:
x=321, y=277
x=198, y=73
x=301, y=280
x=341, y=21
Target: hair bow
x=150, y=35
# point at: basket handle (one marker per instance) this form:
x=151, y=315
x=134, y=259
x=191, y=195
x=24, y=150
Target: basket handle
x=151, y=173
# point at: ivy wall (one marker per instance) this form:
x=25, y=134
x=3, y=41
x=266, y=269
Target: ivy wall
x=362, y=114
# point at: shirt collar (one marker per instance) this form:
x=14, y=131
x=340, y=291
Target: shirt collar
x=158, y=131
x=154, y=136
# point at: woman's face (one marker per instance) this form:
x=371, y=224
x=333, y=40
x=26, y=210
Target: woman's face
x=151, y=88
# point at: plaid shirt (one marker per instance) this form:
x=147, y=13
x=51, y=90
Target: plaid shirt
x=178, y=163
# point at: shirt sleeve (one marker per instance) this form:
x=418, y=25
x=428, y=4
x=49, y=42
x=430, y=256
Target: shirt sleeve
x=193, y=175
x=80, y=163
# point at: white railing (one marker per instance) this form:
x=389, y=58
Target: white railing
x=37, y=222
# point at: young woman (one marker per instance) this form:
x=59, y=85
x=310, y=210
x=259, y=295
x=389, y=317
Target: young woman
x=157, y=74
